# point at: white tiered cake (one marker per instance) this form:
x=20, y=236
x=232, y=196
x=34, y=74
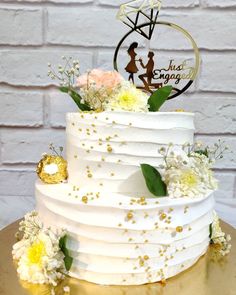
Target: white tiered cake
x=119, y=234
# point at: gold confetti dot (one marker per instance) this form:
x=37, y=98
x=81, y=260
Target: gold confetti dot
x=90, y=175
x=146, y=257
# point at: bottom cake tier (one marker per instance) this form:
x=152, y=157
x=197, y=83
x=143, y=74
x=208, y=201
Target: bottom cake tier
x=118, y=240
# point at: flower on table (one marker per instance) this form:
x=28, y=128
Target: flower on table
x=42, y=261
x=219, y=239
x=42, y=256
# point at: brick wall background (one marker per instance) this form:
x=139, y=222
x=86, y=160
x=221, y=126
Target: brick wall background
x=33, y=32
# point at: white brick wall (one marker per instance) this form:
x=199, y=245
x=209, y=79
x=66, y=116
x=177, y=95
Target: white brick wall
x=32, y=113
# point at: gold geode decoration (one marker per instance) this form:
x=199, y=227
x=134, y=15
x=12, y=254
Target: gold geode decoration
x=52, y=169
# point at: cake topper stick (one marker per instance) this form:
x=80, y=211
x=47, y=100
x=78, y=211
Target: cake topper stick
x=142, y=17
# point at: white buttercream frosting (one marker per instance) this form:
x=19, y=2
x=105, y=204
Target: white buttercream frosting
x=119, y=234
x=105, y=150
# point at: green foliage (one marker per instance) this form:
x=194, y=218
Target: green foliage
x=154, y=182
x=204, y=152
x=158, y=98
x=67, y=259
x=76, y=97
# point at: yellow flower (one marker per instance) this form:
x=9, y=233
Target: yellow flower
x=189, y=178
x=36, y=252
x=128, y=98
x=52, y=169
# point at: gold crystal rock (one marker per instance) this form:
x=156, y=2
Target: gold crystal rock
x=52, y=169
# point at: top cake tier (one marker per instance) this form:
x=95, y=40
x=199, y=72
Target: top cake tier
x=105, y=150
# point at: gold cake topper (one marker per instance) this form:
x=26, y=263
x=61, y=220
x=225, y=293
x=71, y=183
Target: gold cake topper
x=146, y=72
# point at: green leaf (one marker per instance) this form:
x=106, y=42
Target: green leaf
x=64, y=89
x=203, y=152
x=68, y=260
x=76, y=97
x=158, y=98
x=154, y=182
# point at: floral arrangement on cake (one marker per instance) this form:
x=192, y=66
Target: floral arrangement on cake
x=184, y=174
x=99, y=90
x=40, y=253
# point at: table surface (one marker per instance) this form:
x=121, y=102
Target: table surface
x=206, y=277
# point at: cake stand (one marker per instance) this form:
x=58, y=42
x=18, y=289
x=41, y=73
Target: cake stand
x=209, y=276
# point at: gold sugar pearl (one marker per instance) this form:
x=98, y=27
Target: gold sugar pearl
x=141, y=262
x=109, y=149
x=130, y=215
x=85, y=199
x=146, y=257
x=90, y=175
x=163, y=216
x=179, y=229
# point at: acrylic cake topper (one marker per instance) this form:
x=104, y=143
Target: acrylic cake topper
x=148, y=71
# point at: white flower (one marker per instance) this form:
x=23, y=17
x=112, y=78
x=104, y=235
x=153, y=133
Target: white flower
x=127, y=98
x=31, y=225
x=188, y=175
x=219, y=238
x=39, y=257
x=42, y=261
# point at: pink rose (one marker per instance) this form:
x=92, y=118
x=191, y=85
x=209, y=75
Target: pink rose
x=108, y=80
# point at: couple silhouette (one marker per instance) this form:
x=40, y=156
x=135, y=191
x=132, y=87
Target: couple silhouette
x=132, y=68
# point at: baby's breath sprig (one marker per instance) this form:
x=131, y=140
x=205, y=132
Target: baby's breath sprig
x=213, y=153
x=53, y=149
x=67, y=73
